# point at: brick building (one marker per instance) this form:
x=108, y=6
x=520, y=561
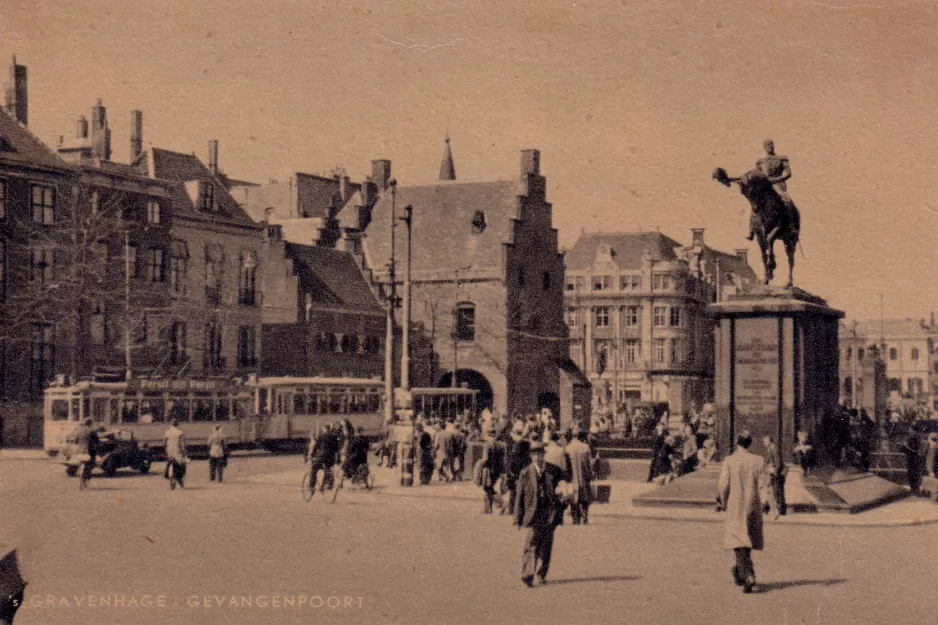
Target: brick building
x=636, y=308
x=487, y=283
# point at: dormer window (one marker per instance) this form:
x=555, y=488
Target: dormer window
x=478, y=222
x=207, y=196
x=153, y=213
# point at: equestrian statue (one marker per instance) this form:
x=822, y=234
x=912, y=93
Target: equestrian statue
x=774, y=216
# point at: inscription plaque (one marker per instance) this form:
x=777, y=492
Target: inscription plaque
x=756, y=377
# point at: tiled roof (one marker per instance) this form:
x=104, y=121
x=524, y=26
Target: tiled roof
x=890, y=328
x=318, y=195
x=443, y=237
x=729, y=263
x=628, y=249
x=19, y=145
x=339, y=281
x=182, y=168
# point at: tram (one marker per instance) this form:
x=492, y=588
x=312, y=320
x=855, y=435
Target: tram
x=266, y=411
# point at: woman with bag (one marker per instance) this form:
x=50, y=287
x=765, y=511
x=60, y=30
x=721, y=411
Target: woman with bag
x=217, y=454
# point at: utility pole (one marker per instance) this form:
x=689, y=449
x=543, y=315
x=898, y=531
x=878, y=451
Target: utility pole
x=856, y=356
x=391, y=297
x=128, y=361
x=405, y=339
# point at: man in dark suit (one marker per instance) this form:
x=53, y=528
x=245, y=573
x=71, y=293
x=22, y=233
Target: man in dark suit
x=537, y=509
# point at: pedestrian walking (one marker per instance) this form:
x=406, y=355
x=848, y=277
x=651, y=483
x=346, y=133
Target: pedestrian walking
x=581, y=476
x=217, y=454
x=519, y=455
x=443, y=452
x=915, y=460
x=537, y=511
x=739, y=496
x=459, y=452
x=657, y=448
x=175, y=443
x=775, y=471
x=492, y=467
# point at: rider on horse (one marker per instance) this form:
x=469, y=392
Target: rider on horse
x=778, y=170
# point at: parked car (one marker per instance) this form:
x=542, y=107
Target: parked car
x=118, y=449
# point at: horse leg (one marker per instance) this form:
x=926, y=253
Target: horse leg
x=765, y=260
x=790, y=251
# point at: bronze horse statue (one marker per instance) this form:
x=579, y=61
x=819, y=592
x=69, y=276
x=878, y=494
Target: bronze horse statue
x=771, y=219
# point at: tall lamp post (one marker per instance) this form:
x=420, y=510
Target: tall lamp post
x=391, y=303
x=405, y=339
x=128, y=359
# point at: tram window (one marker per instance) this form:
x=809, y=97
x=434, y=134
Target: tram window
x=262, y=395
x=375, y=405
x=98, y=409
x=299, y=404
x=314, y=402
x=131, y=411
x=202, y=409
x=222, y=412
x=60, y=410
x=241, y=408
x=86, y=409
x=153, y=411
x=76, y=404
x=179, y=410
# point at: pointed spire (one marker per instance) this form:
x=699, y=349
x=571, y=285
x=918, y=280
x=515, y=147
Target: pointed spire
x=447, y=169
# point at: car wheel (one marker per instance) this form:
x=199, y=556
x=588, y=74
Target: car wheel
x=71, y=470
x=109, y=467
x=144, y=467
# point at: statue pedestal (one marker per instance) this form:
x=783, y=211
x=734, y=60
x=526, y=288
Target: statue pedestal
x=775, y=374
x=775, y=366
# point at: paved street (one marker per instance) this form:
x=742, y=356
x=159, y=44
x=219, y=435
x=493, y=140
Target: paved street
x=383, y=558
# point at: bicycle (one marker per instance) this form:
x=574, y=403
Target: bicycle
x=361, y=477
x=310, y=482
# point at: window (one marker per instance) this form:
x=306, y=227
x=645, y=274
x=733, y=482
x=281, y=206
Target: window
x=677, y=354
x=659, y=316
x=177, y=343
x=860, y=354
x=178, y=266
x=601, y=355
x=546, y=280
x=43, y=265
x=131, y=252
x=894, y=385
x=98, y=323
x=465, y=322
x=633, y=315
x=214, y=263
x=155, y=267
x=573, y=316
x=636, y=283
x=95, y=203
x=3, y=199
x=349, y=344
x=935, y=366
x=660, y=345
x=914, y=353
x=914, y=385
x=849, y=354
x=207, y=196
x=212, y=351
x=601, y=316
x=42, y=200
x=893, y=353
x=602, y=283
x=246, y=279
x=247, y=356
x=153, y=212
x=624, y=282
x=633, y=350
x=42, y=356
x=372, y=345
x=571, y=285
x=478, y=222
x=675, y=317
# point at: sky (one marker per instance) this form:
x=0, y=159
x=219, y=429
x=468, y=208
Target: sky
x=632, y=104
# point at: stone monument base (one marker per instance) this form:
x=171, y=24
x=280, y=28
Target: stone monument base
x=824, y=490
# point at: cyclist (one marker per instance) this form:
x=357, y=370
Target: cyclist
x=86, y=441
x=356, y=455
x=322, y=455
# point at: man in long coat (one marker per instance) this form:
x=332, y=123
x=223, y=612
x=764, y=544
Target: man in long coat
x=581, y=476
x=443, y=452
x=537, y=510
x=739, y=495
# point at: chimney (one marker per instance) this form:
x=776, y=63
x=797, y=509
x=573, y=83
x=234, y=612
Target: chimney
x=136, y=135
x=343, y=187
x=16, y=101
x=697, y=238
x=81, y=128
x=743, y=255
x=381, y=173
x=530, y=163
x=100, y=133
x=213, y=155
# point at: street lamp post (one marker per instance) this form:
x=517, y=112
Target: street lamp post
x=391, y=301
x=405, y=339
x=128, y=361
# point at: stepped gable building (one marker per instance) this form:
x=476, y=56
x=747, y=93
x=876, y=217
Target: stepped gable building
x=487, y=284
x=636, y=308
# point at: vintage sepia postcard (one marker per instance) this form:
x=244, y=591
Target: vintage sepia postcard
x=443, y=313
